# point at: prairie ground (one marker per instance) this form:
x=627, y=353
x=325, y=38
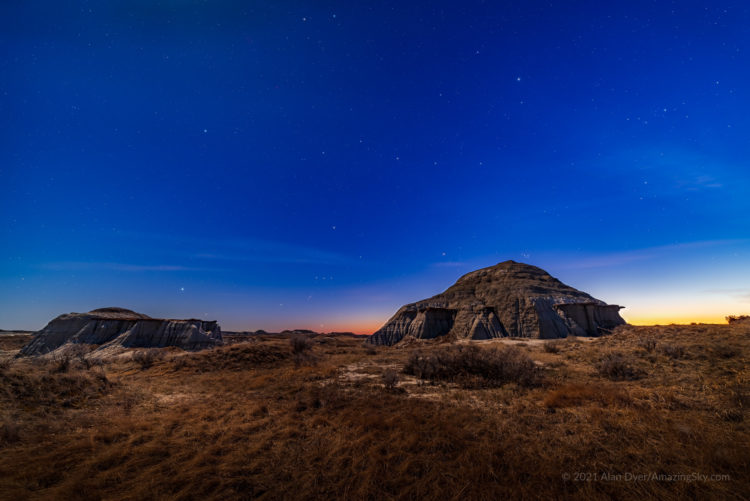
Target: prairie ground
x=647, y=412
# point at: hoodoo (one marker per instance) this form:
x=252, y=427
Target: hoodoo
x=118, y=327
x=508, y=299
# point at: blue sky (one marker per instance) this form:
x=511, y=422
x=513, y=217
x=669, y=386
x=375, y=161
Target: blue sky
x=286, y=164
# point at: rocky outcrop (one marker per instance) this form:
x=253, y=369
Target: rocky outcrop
x=117, y=327
x=508, y=299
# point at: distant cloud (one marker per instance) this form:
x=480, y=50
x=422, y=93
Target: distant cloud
x=450, y=264
x=106, y=266
x=627, y=257
x=244, y=250
x=675, y=170
x=743, y=295
x=698, y=182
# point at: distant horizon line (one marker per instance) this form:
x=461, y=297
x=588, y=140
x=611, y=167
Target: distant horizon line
x=368, y=331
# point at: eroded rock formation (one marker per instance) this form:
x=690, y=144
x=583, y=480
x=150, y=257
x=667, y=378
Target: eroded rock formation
x=117, y=327
x=508, y=299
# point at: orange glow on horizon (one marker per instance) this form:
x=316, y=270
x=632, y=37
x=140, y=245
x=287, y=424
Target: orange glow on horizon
x=360, y=329
x=683, y=320
x=370, y=328
x=366, y=327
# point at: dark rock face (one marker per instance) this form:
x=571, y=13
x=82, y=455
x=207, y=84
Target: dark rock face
x=508, y=299
x=113, y=327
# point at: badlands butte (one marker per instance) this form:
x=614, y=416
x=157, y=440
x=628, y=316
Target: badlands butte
x=509, y=384
x=508, y=299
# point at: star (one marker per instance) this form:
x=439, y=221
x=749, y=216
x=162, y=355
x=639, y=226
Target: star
x=518, y=79
x=182, y=289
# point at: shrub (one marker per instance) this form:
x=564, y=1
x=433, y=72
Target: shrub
x=724, y=350
x=617, y=367
x=79, y=353
x=146, y=358
x=390, y=379
x=673, y=351
x=471, y=365
x=61, y=362
x=179, y=362
x=552, y=347
x=300, y=344
x=9, y=432
x=735, y=319
x=301, y=349
x=647, y=343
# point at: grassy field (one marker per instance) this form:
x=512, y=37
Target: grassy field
x=644, y=413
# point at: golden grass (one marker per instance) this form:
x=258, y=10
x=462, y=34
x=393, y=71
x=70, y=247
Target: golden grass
x=246, y=421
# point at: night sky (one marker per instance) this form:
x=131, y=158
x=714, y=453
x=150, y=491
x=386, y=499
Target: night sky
x=318, y=164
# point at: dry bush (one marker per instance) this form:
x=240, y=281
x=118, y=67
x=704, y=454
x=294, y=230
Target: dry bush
x=301, y=350
x=724, y=350
x=672, y=350
x=79, y=353
x=735, y=319
x=61, y=362
x=390, y=379
x=618, y=367
x=10, y=432
x=148, y=357
x=552, y=346
x=647, y=343
x=471, y=365
x=179, y=362
x=300, y=344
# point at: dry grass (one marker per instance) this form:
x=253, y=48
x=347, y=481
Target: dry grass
x=474, y=366
x=13, y=341
x=618, y=367
x=245, y=421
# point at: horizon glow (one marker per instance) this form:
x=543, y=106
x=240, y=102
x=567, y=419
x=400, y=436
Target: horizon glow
x=287, y=165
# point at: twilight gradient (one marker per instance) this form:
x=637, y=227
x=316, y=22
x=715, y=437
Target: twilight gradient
x=316, y=165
